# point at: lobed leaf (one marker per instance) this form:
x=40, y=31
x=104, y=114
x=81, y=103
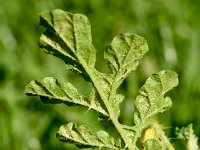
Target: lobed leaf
x=52, y=91
x=151, y=100
x=123, y=54
x=68, y=36
x=82, y=136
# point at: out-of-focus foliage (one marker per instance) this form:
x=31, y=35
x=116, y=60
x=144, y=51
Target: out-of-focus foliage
x=171, y=28
x=186, y=134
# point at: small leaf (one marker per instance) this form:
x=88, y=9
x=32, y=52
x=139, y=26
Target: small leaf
x=151, y=100
x=124, y=52
x=52, y=91
x=82, y=135
x=68, y=36
x=152, y=144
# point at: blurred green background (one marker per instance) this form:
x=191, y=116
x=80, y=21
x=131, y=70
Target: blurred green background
x=172, y=29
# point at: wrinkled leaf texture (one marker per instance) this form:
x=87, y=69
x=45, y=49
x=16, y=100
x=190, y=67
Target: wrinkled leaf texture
x=68, y=36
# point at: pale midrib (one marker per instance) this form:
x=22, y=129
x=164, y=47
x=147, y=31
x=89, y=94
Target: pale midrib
x=116, y=122
x=101, y=93
x=109, y=108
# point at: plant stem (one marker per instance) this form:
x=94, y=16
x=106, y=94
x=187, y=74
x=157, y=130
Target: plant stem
x=165, y=141
x=108, y=106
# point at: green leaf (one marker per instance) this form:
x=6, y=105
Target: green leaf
x=68, y=36
x=152, y=144
x=187, y=135
x=52, y=91
x=96, y=102
x=151, y=100
x=82, y=136
x=123, y=54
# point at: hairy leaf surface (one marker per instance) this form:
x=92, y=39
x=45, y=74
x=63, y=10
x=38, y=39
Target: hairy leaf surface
x=52, y=91
x=68, y=36
x=152, y=145
x=82, y=135
x=123, y=54
x=151, y=100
